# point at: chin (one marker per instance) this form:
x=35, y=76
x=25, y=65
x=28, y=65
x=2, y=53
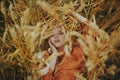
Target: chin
x=59, y=46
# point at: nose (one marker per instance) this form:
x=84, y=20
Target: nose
x=56, y=36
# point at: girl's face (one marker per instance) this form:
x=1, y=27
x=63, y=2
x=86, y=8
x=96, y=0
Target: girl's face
x=57, y=37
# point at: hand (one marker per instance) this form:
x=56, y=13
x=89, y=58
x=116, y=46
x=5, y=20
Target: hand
x=53, y=50
x=52, y=47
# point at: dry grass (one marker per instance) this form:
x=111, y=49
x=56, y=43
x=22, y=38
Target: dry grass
x=29, y=22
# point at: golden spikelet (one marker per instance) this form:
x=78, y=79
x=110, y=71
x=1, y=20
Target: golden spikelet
x=29, y=23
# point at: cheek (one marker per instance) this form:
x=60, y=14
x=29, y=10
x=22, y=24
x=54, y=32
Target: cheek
x=63, y=39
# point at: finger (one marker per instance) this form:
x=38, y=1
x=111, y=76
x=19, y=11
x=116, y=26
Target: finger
x=49, y=50
x=52, y=47
x=50, y=43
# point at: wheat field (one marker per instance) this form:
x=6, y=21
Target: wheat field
x=25, y=25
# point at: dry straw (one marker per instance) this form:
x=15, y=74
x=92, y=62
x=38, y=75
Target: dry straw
x=29, y=25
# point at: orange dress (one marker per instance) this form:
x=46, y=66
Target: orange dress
x=68, y=66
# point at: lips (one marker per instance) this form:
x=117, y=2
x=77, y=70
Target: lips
x=57, y=41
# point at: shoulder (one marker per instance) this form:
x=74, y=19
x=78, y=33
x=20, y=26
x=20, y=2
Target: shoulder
x=77, y=47
x=77, y=50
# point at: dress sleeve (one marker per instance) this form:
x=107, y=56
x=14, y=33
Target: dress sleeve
x=48, y=75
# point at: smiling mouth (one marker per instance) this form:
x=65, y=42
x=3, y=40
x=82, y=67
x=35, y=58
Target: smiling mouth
x=56, y=41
